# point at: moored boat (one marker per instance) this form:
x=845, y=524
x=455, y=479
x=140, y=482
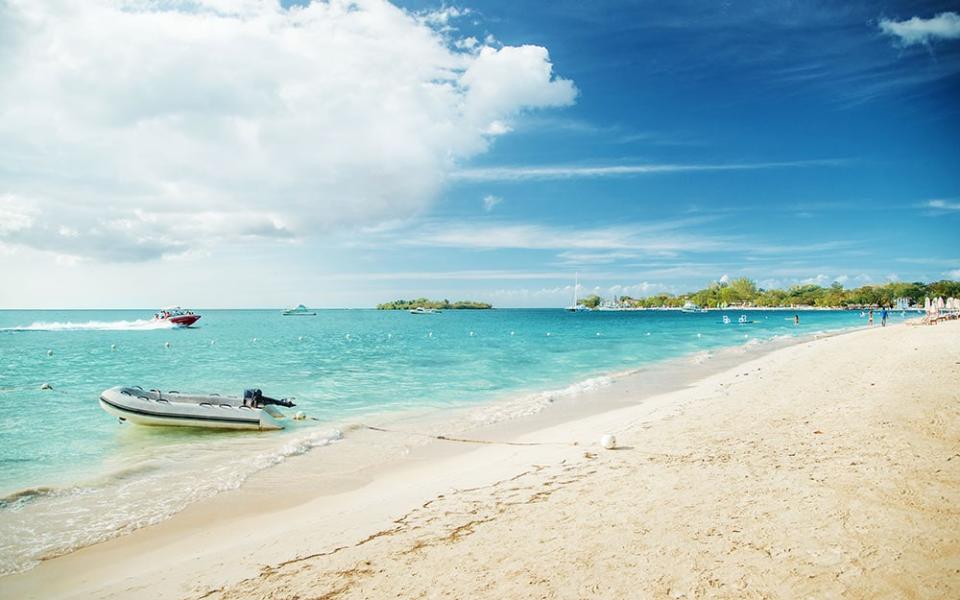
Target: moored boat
x=576, y=306
x=153, y=407
x=690, y=307
x=299, y=311
x=177, y=316
x=423, y=311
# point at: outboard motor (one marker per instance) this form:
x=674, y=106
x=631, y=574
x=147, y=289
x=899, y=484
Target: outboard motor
x=255, y=398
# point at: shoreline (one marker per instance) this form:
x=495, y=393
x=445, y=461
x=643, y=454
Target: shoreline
x=252, y=502
x=513, y=413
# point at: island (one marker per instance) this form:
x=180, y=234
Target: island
x=436, y=304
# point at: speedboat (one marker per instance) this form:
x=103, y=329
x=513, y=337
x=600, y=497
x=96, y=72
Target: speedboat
x=177, y=316
x=153, y=407
x=423, y=311
x=299, y=311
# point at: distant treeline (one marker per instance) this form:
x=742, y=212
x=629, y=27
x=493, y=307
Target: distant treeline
x=744, y=292
x=438, y=304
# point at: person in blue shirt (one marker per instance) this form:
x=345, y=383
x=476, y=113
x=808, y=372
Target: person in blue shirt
x=883, y=317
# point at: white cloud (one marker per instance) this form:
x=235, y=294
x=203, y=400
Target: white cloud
x=954, y=274
x=596, y=258
x=944, y=26
x=154, y=128
x=638, y=290
x=666, y=238
x=490, y=201
x=573, y=171
x=15, y=214
x=943, y=205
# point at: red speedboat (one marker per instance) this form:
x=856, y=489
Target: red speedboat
x=177, y=316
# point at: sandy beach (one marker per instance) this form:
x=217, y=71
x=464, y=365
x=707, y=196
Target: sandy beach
x=824, y=469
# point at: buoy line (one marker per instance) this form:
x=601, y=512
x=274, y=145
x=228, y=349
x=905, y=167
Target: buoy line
x=447, y=438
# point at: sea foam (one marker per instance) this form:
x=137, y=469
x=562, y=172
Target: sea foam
x=138, y=325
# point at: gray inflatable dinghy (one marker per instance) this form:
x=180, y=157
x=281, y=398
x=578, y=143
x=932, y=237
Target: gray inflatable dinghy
x=153, y=407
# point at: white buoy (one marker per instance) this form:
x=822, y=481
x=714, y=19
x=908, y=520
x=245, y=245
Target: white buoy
x=512, y=333
x=472, y=334
x=49, y=352
x=598, y=334
x=608, y=441
x=113, y=347
x=300, y=339
x=699, y=335
x=430, y=334
x=548, y=334
x=254, y=339
x=299, y=416
x=647, y=333
x=166, y=344
x=46, y=386
x=212, y=342
x=389, y=335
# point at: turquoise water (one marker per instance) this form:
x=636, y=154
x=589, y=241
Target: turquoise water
x=58, y=449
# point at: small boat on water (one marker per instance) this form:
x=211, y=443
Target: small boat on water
x=423, y=311
x=576, y=306
x=690, y=307
x=177, y=316
x=299, y=311
x=153, y=407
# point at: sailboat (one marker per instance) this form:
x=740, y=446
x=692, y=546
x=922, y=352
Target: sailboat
x=577, y=307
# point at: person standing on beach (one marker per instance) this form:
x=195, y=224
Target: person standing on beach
x=870, y=318
x=883, y=317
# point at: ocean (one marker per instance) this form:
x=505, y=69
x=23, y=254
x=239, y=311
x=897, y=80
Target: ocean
x=71, y=475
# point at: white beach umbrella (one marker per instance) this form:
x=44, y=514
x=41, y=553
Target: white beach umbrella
x=940, y=302
x=926, y=303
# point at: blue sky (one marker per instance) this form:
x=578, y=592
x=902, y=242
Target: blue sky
x=648, y=146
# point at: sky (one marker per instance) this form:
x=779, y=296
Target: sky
x=248, y=153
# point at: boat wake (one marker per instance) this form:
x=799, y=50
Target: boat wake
x=138, y=325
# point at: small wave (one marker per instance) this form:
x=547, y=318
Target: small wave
x=45, y=522
x=532, y=404
x=21, y=497
x=698, y=358
x=138, y=325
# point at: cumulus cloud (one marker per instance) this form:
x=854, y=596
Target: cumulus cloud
x=944, y=26
x=152, y=128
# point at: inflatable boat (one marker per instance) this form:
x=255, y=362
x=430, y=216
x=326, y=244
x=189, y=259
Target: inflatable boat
x=153, y=407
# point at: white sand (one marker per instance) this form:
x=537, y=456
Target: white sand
x=826, y=469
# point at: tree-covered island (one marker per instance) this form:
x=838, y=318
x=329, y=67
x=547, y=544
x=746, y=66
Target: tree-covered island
x=744, y=292
x=437, y=304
